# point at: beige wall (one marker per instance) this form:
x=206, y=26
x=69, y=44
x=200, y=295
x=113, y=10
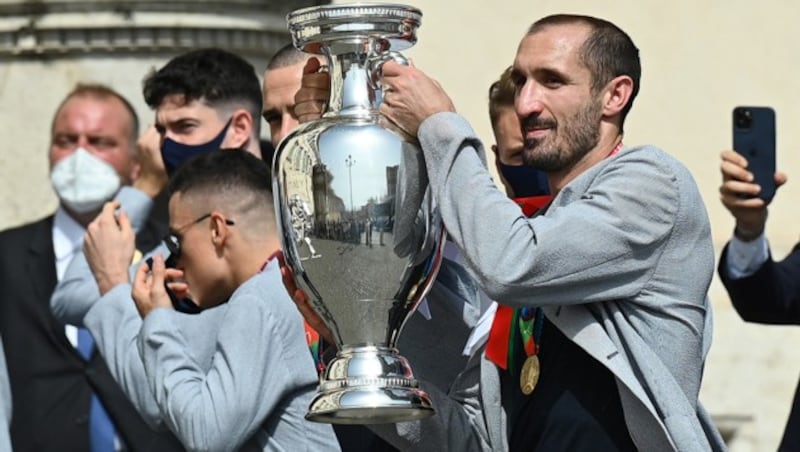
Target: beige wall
x=700, y=59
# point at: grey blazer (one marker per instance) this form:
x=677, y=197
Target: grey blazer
x=5, y=403
x=115, y=325
x=260, y=382
x=620, y=262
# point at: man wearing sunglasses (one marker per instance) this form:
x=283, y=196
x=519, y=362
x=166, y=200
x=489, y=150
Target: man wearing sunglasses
x=225, y=246
x=203, y=100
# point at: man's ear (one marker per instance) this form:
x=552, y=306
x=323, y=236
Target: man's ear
x=219, y=229
x=135, y=170
x=617, y=95
x=240, y=130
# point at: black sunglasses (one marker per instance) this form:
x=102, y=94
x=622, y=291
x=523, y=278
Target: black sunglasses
x=173, y=242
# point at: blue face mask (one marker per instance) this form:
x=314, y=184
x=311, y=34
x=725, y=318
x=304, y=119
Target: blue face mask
x=524, y=180
x=174, y=153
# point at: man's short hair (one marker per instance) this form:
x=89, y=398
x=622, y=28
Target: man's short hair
x=608, y=51
x=286, y=56
x=231, y=176
x=220, y=78
x=102, y=92
x=501, y=95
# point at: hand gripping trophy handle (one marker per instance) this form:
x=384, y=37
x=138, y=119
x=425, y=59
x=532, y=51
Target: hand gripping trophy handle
x=375, y=66
x=358, y=226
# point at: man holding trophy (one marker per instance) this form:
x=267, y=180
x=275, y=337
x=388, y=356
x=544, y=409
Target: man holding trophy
x=626, y=328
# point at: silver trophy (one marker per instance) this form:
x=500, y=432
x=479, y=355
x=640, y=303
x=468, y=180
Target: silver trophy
x=357, y=225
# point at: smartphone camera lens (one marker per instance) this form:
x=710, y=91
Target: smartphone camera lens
x=743, y=118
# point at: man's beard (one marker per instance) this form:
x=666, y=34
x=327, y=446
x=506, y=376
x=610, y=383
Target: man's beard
x=566, y=143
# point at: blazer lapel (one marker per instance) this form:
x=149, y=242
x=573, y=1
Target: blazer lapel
x=493, y=413
x=578, y=324
x=41, y=265
x=41, y=270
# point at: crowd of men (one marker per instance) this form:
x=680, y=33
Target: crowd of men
x=596, y=338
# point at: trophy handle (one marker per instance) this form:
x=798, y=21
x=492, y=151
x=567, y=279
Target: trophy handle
x=375, y=66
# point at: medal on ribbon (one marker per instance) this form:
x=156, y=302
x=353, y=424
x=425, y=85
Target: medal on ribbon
x=530, y=325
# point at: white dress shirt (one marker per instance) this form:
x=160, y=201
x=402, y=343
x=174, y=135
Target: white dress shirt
x=745, y=258
x=67, y=239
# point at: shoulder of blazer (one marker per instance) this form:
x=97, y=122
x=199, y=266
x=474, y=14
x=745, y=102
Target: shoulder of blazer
x=35, y=235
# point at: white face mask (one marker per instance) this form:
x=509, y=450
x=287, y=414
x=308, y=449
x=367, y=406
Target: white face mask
x=84, y=182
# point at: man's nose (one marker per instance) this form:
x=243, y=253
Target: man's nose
x=167, y=134
x=288, y=124
x=529, y=100
x=82, y=142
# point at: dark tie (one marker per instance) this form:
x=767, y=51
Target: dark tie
x=101, y=430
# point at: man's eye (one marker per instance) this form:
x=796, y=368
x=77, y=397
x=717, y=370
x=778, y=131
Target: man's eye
x=62, y=143
x=553, y=82
x=185, y=127
x=101, y=143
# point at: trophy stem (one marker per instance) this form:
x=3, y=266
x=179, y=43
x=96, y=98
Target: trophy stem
x=368, y=384
x=351, y=92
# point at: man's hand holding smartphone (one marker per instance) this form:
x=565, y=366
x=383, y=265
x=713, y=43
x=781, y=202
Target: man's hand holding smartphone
x=749, y=179
x=177, y=290
x=154, y=286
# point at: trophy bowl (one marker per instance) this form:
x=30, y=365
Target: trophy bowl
x=357, y=224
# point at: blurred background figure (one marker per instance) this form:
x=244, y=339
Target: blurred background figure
x=64, y=397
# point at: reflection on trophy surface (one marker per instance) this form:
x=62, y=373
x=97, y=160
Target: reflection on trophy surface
x=302, y=224
x=357, y=225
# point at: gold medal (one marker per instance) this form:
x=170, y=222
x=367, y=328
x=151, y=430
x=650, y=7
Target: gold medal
x=529, y=375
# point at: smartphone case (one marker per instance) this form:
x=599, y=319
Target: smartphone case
x=754, y=138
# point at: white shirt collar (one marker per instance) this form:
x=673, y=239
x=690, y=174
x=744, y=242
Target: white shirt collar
x=67, y=237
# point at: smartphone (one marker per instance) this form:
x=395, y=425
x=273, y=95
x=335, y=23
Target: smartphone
x=754, y=138
x=185, y=305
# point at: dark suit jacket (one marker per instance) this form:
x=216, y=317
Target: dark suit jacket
x=51, y=384
x=771, y=295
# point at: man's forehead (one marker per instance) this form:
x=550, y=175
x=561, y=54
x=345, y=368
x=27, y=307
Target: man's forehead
x=553, y=43
x=85, y=105
x=92, y=112
x=175, y=107
x=284, y=74
x=281, y=84
x=178, y=209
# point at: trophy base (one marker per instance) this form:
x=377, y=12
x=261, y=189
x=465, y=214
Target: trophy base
x=369, y=385
x=370, y=406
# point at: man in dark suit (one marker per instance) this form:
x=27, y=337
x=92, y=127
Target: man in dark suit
x=761, y=290
x=64, y=397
